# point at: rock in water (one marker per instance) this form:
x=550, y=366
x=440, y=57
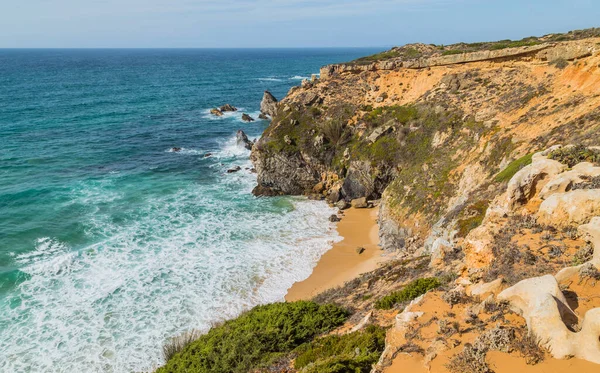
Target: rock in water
x=176, y=150
x=228, y=107
x=247, y=118
x=242, y=139
x=216, y=112
x=234, y=169
x=268, y=105
x=262, y=116
x=334, y=218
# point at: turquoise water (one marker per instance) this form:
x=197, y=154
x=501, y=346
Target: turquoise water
x=110, y=243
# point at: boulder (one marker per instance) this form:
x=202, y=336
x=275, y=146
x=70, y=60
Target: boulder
x=379, y=132
x=242, y=140
x=569, y=209
x=545, y=309
x=268, y=105
x=261, y=116
x=334, y=218
x=563, y=182
x=342, y=204
x=524, y=184
x=227, y=107
x=247, y=118
x=216, y=112
x=234, y=169
x=359, y=203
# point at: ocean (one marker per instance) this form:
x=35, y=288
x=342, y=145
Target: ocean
x=110, y=242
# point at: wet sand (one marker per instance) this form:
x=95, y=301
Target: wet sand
x=342, y=263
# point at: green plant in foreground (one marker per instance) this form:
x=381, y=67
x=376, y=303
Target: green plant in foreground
x=513, y=168
x=411, y=291
x=256, y=338
x=354, y=352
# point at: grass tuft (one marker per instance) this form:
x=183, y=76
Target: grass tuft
x=411, y=291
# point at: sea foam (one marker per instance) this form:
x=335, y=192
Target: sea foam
x=180, y=262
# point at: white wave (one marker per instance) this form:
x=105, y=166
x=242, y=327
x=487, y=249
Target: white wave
x=270, y=79
x=298, y=77
x=185, y=151
x=175, y=263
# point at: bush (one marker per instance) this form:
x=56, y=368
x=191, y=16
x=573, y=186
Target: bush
x=411, y=291
x=354, y=352
x=560, y=63
x=575, y=154
x=513, y=168
x=478, y=213
x=256, y=338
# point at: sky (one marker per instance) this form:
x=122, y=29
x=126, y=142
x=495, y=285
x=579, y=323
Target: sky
x=282, y=23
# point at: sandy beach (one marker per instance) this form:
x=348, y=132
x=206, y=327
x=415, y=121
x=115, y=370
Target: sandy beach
x=342, y=263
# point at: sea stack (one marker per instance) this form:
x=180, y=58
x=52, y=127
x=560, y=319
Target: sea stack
x=268, y=105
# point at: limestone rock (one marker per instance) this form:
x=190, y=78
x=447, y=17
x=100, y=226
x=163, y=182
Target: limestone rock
x=570, y=209
x=523, y=186
x=379, y=132
x=541, y=302
x=268, y=105
x=482, y=288
x=564, y=181
x=359, y=203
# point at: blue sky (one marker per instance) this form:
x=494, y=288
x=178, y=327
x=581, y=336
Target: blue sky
x=282, y=23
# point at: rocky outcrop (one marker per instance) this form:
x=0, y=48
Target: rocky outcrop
x=542, y=52
x=247, y=118
x=242, y=140
x=227, y=107
x=522, y=187
x=216, y=112
x=546, y=310
x=570, y=209
x=268, y=105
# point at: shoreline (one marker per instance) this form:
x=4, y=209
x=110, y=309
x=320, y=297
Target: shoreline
x=342, y=263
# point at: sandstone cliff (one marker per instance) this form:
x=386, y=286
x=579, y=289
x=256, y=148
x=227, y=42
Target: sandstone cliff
x=465, y=147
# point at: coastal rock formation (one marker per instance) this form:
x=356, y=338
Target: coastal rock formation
x=546, y=310
x=268, y=105
x=247, y=118
x=227, y=107
x=242, y=140
x=216, y=112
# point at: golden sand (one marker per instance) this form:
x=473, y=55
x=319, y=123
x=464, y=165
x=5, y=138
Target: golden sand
x=342, y=263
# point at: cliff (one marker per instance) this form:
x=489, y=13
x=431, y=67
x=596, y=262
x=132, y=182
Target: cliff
x=484, y=162
x=458, y=144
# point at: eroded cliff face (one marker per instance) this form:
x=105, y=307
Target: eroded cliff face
x=431, y=135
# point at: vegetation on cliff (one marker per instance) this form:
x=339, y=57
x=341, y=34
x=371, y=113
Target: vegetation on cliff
x=256, y=338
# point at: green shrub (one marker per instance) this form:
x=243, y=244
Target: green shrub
x=513, y=168
x=256, y=338
x=560, y=63
x=411, y=291
x=474, y=221
x=575, y=154
x=354, y=352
